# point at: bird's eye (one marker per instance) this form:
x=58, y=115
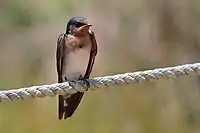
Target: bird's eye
x=78, y=24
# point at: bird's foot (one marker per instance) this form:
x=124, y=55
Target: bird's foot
x=81, y=82
x=71, y=82
x=84, y=82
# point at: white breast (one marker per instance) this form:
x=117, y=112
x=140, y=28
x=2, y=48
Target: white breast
x=76, y=63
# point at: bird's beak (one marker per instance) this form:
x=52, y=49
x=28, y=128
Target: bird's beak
x=85, y=27
x=89, y=25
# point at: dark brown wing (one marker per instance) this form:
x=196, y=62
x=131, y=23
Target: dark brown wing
x=93, y=53
x=59, y=55
x=59, y=61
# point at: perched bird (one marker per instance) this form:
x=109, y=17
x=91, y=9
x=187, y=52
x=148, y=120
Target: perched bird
x=75, y=56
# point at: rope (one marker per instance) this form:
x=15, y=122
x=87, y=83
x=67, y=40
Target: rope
x=99, y=82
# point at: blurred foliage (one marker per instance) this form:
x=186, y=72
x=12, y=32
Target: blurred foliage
x=132, y=35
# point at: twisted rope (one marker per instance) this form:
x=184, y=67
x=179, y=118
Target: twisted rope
x=99, y=82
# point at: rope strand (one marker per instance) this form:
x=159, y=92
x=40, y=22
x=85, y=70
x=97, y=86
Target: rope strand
x=99, y=82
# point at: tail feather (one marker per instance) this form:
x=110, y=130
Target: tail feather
x=60, y=106
x=68, y=106
x=72, y=104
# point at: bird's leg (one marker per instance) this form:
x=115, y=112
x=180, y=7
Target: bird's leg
x=84, y=82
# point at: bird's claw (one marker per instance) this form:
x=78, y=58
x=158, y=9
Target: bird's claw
x=82, y=82
x=85, y=84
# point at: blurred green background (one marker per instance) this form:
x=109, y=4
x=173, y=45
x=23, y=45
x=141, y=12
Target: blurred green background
x=132, y=35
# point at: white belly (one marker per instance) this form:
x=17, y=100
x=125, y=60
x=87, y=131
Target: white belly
x=76, y=64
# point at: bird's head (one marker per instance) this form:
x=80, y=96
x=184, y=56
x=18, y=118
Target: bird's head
x=78, y=25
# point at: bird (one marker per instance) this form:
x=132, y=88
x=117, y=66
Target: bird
x=75, y=57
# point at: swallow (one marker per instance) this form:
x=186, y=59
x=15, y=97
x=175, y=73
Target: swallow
x=75, y=56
